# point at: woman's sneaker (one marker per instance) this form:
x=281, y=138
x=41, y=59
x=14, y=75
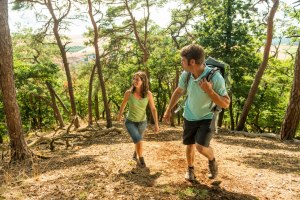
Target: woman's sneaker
x=213, y=168
x=142, y=162
x=134, y=156
x=190, y=174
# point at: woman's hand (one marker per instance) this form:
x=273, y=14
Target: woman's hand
x=156, y=128
x=119, y=118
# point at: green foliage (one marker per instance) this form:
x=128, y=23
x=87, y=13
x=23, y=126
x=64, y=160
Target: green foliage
x=272, y=98
x=33, y=47
x=32, y=93
x=229, y=30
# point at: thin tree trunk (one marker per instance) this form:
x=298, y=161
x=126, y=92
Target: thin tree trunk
x=90, y=104
x=96, y=102
x=99, y=67
x=54, y=106
x=263, y=66
x=19, y=148
x=231, y=114
x=292, y=116
x=175, y=84
x=64, y=58
x=60, y=101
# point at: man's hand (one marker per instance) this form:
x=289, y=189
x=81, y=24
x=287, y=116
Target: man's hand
x=167, y=116
x=205, y=85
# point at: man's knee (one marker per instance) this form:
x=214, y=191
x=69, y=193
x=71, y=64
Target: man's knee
x=200, y=148
x=190, y=147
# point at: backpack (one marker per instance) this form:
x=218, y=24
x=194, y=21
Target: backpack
x=216, y=66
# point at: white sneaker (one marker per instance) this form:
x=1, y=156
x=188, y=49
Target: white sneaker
x=190, y=175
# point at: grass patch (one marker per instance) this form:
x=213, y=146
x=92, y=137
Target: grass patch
x=192, y=192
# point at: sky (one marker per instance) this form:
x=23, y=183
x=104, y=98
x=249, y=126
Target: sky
x=27, y=18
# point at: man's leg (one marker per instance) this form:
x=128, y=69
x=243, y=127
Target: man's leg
x=203, y=138
x=212, y=164
x=190, y=154
x=190, y=157
x=206, y=151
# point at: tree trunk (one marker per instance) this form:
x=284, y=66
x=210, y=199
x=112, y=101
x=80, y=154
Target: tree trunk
x=19, y=149
x=90, y=104
x=292, y=116
x=175, y=84
x=96, y=102
x=64, y=58
x=99, y=67
x=231, y=114
x=61, y=102
x=263, y=66
x=54, y=106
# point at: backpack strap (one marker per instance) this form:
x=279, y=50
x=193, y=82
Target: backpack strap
x=212, y=73
x=214, y=108
x=187, y=80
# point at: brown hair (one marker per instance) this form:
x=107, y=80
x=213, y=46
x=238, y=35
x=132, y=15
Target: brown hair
x=193, y=51
x=145, y=85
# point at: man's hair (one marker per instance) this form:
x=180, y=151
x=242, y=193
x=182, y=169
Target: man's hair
x=193, y=51
x=145, y=85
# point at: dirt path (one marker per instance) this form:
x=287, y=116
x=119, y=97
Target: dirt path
x=249, y=168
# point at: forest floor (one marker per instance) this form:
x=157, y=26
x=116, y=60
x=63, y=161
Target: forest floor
x=102, y=168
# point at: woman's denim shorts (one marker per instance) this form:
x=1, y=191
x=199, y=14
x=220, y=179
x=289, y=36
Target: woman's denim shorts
x=136, y=129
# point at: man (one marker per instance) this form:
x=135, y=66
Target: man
x=197, y=112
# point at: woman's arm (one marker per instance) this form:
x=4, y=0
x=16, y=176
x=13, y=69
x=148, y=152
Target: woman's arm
x=124, y=102
x=153, y=111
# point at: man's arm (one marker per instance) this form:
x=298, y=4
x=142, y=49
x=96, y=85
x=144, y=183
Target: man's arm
x=174, y=100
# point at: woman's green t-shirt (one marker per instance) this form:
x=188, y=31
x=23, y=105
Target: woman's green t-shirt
x=137, y=109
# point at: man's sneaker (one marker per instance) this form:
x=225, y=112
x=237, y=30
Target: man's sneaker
x=190, y=175
x=134, y=156
x=213, y=168
x=142, y=162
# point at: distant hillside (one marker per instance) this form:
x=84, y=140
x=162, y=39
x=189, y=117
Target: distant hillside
x=75, y=49
x=284, y=41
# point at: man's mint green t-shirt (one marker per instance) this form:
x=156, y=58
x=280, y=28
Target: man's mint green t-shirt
x=198, y=104
x=137, y=109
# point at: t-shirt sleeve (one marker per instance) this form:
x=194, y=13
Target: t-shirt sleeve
x=219, y=85
x=182, y=80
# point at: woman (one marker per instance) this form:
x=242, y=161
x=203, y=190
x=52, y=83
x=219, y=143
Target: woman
x=138, y=97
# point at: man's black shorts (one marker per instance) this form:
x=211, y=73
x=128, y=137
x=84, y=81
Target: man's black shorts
x=197, y=132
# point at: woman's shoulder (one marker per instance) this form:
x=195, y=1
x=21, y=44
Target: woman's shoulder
x=149, y=94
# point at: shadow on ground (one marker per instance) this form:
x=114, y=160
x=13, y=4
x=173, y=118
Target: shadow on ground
x=140, y=176
x=265, y=143
x=278, y=162
x=197, y=190
x=164, y=136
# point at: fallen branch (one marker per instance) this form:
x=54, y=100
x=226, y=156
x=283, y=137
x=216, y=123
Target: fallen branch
x=105, y=132
x=296, y=141
x=253, y=135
